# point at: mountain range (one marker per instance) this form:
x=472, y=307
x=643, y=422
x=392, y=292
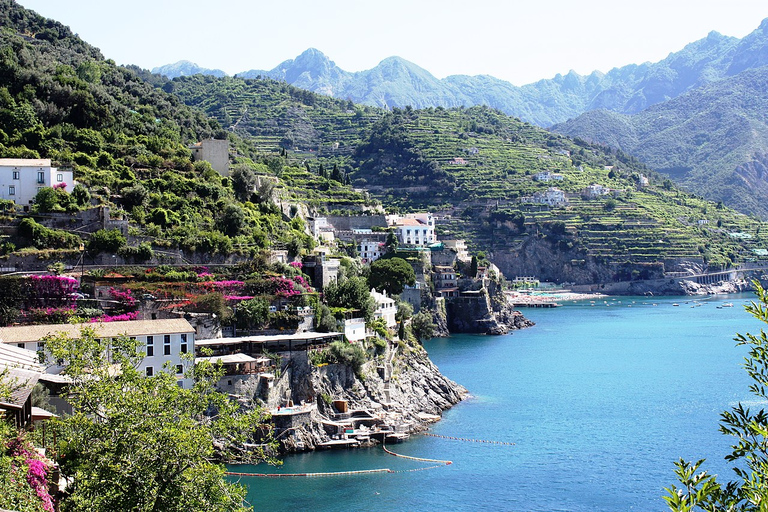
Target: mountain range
x=395, y=82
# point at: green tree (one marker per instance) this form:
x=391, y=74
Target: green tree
x=143, y=443
x=106, y=240
x=749, y=492
x=392, y=242
x=244, y=181
x=423, y=326
x=233, y=220
x=391, y=274
x=252, y=313
x=351, y=293
x=473, y=267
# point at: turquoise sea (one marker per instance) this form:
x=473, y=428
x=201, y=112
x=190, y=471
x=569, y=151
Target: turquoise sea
x=599, y=400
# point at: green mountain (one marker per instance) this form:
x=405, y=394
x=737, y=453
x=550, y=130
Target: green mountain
x=712, y=140
x=629, y=89
x=127, y=142
x=477, y=168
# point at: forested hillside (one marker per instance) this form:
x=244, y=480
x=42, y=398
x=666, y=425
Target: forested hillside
x=713, y=141
x=477, y=169
x=127, y=143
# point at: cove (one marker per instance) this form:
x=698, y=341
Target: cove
x=599, y=400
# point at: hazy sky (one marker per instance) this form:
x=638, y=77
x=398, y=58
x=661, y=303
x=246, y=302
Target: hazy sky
x=517, y=40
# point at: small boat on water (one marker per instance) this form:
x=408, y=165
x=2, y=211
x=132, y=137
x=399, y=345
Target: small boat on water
x=675, y=304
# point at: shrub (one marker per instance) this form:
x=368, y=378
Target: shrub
x=110, y=241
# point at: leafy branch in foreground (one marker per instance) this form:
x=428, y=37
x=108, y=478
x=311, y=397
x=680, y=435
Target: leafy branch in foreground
x=700, y=491
x=144, y=443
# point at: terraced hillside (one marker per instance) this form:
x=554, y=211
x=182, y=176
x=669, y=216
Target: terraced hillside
x=488, y=177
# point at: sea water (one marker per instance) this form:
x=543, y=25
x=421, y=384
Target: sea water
x=599, y=399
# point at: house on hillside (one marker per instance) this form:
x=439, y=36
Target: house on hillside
x=162, y=341
x=22, y=178
x=414, y=228
x=215, y=152
x=547, y=176
x=553, y=196
x=596, y=190
x=386, y=308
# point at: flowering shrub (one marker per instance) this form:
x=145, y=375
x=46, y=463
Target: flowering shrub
x=296, y=264
x=52, y=290
x=238, y=297
x=49, y=315
x=59, y=186
x=123, y=296
x=27, y=462
x=230, y=286
x=131, y=315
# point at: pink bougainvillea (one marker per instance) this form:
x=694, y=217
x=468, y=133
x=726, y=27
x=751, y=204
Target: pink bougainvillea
x=59, y=185
x=296, y=264
x=238, y=297
x=37, y=469
x=123, y=296
x=131, y=315
x=52, y=290
x=284, y=287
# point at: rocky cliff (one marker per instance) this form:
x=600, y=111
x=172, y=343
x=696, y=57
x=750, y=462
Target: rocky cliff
x=397, y=393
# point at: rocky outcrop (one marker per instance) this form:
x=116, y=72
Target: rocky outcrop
x=400, y=391
x=484, y=311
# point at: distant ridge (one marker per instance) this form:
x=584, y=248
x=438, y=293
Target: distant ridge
x=395, y=82
x=186, y=68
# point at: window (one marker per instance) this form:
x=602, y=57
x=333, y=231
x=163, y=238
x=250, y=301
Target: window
x=167, y=350
x=21, y=345
x=15, y=175
x=179, y=369
x=41, y=177
x=183, y=348
x=167, y=338
x=59, y=178
x=150, y=350
x=150, y=371
x=11, y=190
x=40, y=345
x=150, y=340
x=183, y=338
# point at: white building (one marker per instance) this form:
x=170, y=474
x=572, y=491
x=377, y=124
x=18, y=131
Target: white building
x=414, y=228
x=215, y=152
x=642, y=181
x=163, y=341
x=370, y=250
x=460, y=247
x=385, y=307
x=354, y=329
x=596, y=190
x=553, y=196
x=22, y=178
x=547, y=176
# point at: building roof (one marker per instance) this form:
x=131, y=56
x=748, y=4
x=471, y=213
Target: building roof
x=410, y=222
x=231, y=359
x=19, y=358
x=301, y=336
x=22, y=381
x=25, y=162
x=30, y=333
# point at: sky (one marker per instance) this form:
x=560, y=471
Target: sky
x=520, y=41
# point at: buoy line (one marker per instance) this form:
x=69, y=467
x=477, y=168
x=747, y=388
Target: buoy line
x=335, y=473
x=421, y=459
x=504, y=443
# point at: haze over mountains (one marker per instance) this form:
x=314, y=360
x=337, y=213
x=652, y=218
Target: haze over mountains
x=396, y=82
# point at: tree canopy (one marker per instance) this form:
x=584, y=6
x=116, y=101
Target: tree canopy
x=391, y=274
x=143, y=443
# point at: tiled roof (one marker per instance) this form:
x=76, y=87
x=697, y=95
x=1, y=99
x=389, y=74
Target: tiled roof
x=22, y=381
x=30, y=333
x=410, y=222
